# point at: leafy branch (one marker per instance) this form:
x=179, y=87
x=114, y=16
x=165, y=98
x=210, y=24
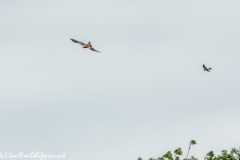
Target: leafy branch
x=234, y=154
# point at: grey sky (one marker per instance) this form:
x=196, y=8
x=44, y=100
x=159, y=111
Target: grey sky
x=145, y=94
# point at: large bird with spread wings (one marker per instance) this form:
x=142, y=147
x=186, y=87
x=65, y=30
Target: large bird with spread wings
x=206, y=69
x=89, y=46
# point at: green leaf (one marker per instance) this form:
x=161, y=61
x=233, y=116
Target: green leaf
x=178, y=151
x=210, y=154
x=193, y=142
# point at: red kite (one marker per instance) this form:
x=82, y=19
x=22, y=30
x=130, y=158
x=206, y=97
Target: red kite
x=85, y=45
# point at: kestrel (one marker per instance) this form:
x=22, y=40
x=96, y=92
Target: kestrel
x=89, y=46
x=206, y=69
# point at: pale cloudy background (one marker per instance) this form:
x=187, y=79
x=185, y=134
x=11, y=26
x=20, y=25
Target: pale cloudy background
x=145, y=94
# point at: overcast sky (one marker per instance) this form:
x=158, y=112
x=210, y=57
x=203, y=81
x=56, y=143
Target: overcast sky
x=144, y=94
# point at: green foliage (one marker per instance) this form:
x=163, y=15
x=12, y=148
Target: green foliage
x=178, y=151
x=192, y=158
x=209, y=155
x=193, y=142
x=234, y=154
x=168, y=155
x=160, y=158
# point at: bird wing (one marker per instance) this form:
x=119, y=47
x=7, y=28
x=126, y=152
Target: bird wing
x=204, y=66
x=95, y=50
x=89, y=44
x=78, y=42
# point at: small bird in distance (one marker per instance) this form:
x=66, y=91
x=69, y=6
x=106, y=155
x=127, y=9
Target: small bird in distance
x=89, y=46
x=206, y=69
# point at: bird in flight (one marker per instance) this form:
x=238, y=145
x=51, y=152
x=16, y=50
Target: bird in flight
x=89, y=46
x=206, y=69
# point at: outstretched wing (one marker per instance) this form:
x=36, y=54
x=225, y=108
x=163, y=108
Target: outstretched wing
x=95, y=50
x=204, y=66
x=78, y=42
x=89, y=44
